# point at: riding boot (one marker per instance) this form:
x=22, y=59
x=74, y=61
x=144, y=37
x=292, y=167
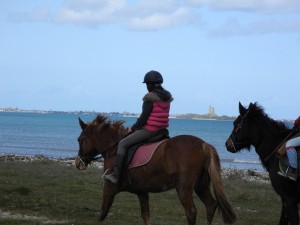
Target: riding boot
x=115, y=175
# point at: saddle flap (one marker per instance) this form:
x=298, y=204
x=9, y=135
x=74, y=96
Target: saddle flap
x=143, y=154
x=160, y=135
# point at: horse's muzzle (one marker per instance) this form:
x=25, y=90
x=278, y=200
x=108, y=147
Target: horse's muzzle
x=230, y=145
x=80, y=164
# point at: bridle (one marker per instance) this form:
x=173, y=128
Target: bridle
x=90, y=159
x=100, y=153
x=234, y=134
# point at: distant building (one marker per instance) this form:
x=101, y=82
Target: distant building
x=211, y=111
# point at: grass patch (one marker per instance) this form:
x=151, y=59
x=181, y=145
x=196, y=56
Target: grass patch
x=62, y=194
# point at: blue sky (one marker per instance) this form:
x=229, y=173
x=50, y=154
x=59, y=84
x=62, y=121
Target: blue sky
x=93, y=54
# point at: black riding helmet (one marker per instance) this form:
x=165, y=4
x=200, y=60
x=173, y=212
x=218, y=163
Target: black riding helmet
x=153, y=77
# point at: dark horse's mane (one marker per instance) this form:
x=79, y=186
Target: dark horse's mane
x=271, y=126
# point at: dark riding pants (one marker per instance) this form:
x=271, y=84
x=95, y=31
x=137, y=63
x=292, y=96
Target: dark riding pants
x=134, y=138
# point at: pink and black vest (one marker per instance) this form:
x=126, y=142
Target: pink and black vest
x=159, y=116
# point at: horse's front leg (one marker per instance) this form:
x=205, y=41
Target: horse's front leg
x=292, y=210
x=109, y=193
x=144, y=205
x=283, y=217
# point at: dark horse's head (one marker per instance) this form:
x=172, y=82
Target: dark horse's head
x=97, y=138
x=251, y=127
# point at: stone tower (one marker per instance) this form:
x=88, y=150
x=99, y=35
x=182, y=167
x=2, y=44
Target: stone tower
x=211, y=111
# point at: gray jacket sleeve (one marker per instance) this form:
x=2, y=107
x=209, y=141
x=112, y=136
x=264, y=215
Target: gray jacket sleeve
x=141, y=121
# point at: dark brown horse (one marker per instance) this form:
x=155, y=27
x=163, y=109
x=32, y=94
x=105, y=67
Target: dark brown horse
x=184, y=162
x=253, y=127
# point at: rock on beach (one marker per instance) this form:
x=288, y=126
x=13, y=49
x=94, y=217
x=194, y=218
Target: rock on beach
x=227, y=173
x=29, y=158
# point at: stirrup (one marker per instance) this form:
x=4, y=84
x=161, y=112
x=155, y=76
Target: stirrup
x=111, y=177
x=292, y=175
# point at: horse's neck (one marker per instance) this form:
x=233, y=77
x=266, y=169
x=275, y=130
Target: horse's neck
x=264, y=150
x=266, y=146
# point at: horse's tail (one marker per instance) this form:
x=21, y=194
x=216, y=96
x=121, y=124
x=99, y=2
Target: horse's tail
x=214, y=171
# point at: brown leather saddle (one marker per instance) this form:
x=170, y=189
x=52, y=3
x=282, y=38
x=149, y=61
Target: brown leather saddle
x=161, y=134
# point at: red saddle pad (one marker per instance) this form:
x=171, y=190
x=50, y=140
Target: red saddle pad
x=143, y=154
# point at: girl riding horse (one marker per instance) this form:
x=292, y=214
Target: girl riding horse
x=292, y=171
x=155, y=116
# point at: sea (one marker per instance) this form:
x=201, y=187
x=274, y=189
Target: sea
x=55, y=135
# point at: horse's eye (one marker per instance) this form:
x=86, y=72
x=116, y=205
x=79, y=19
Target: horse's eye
x=81, y=139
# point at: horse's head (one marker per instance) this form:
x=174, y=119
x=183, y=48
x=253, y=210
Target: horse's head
x=97, y=138
x=244, y=133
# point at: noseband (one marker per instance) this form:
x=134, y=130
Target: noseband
x=89, y=159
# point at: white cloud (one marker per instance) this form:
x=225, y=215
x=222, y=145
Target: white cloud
x=262, y=6
x=158, y=14
x=156, y=21
x=233, y=27
x=91, y=12
x=145, y=15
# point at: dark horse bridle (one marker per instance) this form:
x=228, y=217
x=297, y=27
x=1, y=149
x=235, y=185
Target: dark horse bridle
x=234, y=134
x=233, y=137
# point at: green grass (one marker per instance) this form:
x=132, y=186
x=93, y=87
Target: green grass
x=68, y=196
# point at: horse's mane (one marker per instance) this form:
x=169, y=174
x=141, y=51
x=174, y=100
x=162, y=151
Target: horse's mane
x=99, y=119
x=102, y=120
x=256, y=111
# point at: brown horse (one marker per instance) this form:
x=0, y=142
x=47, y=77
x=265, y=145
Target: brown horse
x=184, y=162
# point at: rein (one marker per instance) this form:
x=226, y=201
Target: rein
x=89, y=158
x=98, y=156
x=240, y=143
x=114, y=153
x=284, y=140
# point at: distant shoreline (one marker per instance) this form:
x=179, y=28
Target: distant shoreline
x=133, y=115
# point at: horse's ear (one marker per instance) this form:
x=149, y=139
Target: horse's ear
x=242, y=109
x=82, y=124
